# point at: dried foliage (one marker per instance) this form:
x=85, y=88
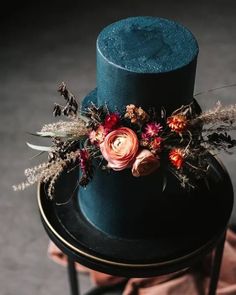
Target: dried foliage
x=69, y=130
x=219, y=114
x=180, y=141
x=96, y=115
x=71, y=106
x=48, y=172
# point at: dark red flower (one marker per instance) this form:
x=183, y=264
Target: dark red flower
x=85, y=166
x=111, y=121
x=84, y=158
x=176, y=157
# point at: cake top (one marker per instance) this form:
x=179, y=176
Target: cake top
x=147, y=45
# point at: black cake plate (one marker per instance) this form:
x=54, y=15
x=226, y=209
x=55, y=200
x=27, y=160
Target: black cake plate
x=170, y=251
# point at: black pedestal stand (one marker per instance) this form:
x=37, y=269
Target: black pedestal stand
x=216, y=263
x=169, y=252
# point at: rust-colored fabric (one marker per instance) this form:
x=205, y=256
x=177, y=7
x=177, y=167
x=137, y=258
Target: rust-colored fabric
x=194, y=282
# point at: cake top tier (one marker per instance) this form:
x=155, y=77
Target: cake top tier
x=147, y=45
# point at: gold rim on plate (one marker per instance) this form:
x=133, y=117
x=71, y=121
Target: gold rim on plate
x=129, y=265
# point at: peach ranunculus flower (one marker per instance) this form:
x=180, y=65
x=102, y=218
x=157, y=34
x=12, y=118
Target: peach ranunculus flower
x=145, y=163
x=120, y=148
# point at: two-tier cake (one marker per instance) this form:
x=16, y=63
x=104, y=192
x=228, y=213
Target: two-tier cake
x=149, y=62
x=130, y=187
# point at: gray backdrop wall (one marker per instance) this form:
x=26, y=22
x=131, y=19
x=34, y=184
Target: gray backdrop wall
x=44, y=43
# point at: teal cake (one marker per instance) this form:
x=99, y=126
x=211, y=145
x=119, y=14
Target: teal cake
x=149, y=62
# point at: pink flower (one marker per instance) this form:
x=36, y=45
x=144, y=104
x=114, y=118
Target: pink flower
x=120, y=148
x=145, y=163
x=98, y=136
x=152, y=129
x=145, y=137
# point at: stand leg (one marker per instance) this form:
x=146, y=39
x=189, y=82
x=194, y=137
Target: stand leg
x=74, y=287
x=216, y=264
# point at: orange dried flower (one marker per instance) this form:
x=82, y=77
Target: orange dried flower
x=155, y=144
x=136, y=115
x=130, y=113
x=177, y=123
x=142, y=115
x=176, y=157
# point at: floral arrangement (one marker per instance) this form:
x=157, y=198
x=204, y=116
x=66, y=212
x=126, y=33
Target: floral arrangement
x=143, y=141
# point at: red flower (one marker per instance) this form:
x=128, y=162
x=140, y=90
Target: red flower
x=111, y=121
x=152, y=129
x=176, y=157
x=155, y=144
x=177, y=123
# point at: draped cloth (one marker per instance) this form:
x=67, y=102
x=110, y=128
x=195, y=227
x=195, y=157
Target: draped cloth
x=192, y=282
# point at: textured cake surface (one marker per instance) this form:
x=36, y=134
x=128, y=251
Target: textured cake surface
x=147, y=45
x=149, y=62
x=146, y=61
